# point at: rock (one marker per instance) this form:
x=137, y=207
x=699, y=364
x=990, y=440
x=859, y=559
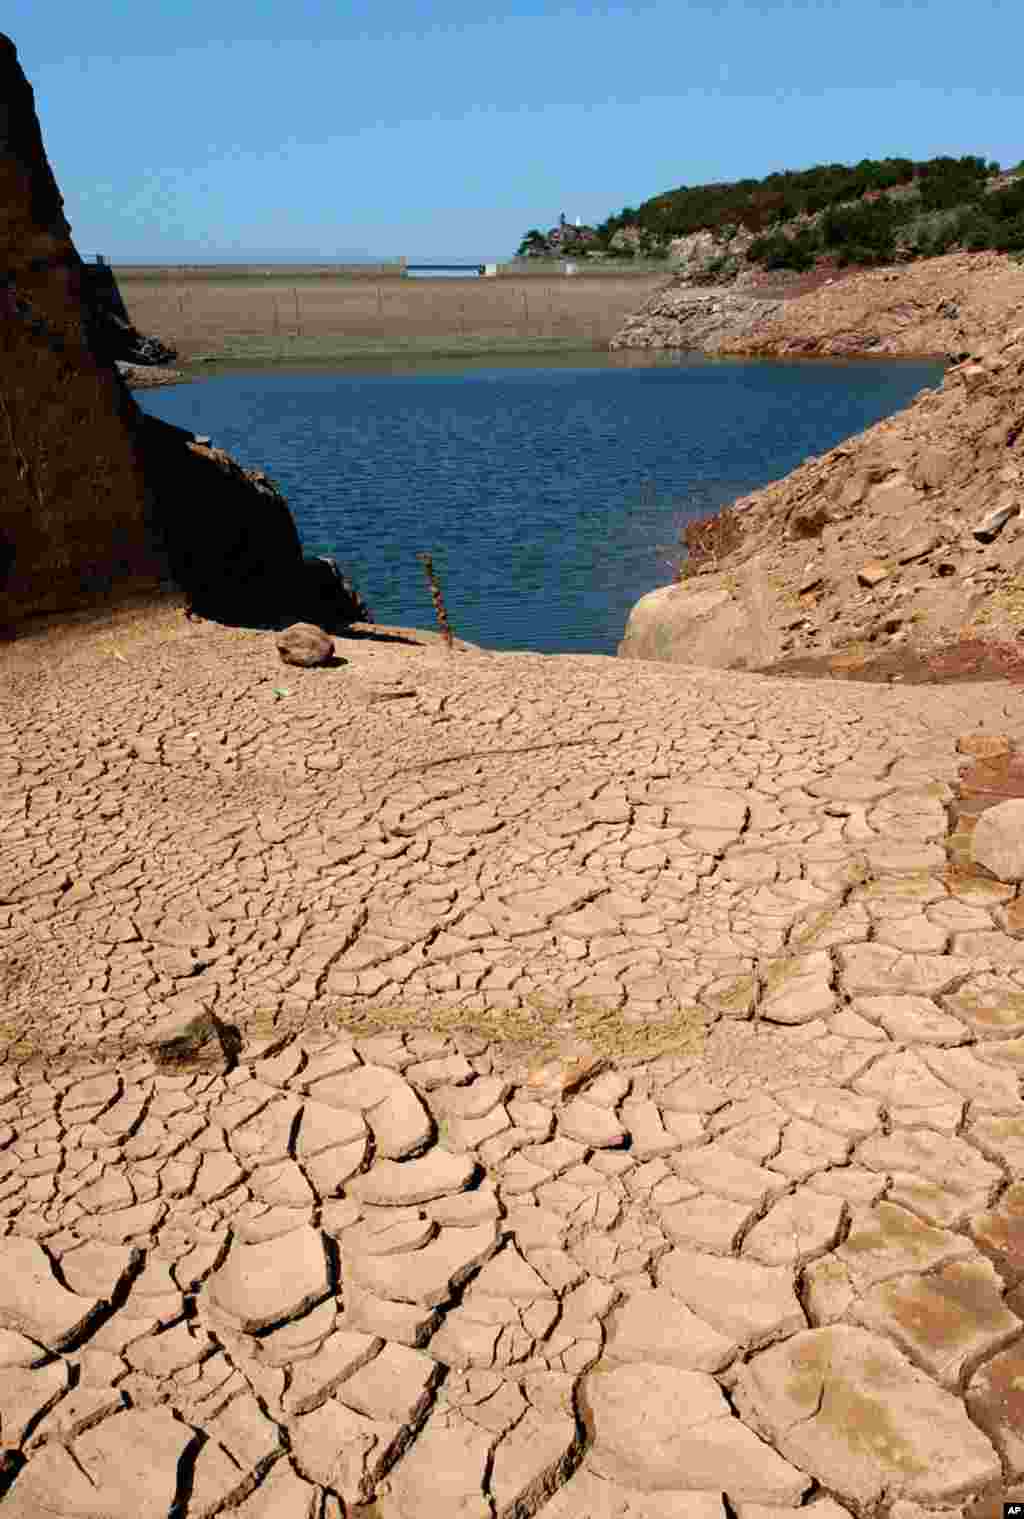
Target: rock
x=303, y=644
x=560, y=1077
x=327, y=598
x=998, y=841
x=694, y=319
x=71, y=527
x=686, y=624
x=989, y=528
x=872, y=573
x=809, y=521
x=97, y=497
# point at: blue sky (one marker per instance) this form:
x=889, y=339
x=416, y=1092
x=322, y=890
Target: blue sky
x=181, y=131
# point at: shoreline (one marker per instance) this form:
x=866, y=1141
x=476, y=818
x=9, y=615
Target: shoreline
x=139, y=377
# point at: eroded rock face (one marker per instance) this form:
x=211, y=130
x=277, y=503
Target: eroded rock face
x=74, y=514
x=96, y=500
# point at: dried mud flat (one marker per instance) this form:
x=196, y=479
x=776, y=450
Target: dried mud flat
x=488, y=1084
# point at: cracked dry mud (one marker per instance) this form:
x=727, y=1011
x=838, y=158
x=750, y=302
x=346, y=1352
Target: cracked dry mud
x=496, y=1085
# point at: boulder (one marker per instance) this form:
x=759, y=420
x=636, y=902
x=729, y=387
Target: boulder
x=304, y=644
x=112, y=334
x=998, y=841
x=698, y=624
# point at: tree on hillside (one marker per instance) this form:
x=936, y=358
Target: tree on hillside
x=533, y=245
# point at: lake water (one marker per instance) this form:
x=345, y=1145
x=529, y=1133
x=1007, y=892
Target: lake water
x=551, y=494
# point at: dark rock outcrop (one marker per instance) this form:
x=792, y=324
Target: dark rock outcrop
x=97, y=500
x=112, y=335
x=75, y=515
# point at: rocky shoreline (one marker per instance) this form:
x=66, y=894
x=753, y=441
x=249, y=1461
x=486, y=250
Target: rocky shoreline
x=906, y=540
x=150, y=376
x=936, y=308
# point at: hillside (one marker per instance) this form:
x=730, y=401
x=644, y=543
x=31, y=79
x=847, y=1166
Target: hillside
x=900, y=548
x=832, y=215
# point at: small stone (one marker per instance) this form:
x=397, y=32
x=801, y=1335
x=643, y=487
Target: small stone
x=558, y=1078
x=304, y=644
x=997, y=842
x=872, y=573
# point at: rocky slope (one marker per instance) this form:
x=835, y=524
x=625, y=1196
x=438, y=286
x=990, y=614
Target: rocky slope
x=942, y=308
x=96, y=500
x=75, y=515
x=906, y=538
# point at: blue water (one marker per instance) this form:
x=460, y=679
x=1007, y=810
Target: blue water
x=551, y=494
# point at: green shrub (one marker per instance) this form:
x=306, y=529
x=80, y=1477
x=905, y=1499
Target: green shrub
x=866, y=226
x=975, y=229
x=777, y=251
